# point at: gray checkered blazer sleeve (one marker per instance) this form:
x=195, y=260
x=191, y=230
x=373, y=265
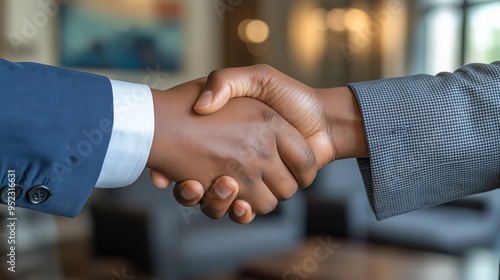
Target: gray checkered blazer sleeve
x=431, y=139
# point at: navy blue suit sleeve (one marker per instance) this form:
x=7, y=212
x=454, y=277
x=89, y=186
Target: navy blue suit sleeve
x=431, y=139
x=55, y=127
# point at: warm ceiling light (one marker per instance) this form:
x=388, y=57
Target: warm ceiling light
x=242, y=27
x=253, y=31
x=256, y=31
x=335, y=19
x=355, y=19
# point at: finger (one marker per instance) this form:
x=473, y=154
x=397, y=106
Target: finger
x=159, y=179
x=295, y=152
x=277, y=176
x=280, y=181
x=295, y=101
x=189, y=192
x=241, y=212
x=224, y=84
x=219, y=197
x=259, y=196
x=212, y=100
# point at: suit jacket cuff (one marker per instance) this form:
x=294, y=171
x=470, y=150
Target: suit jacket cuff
x=431, y=139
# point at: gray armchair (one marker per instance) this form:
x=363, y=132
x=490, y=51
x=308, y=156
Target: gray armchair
x=452, y=228
x=182, y=241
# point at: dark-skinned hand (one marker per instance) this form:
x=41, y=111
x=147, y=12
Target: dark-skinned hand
x=246, y=144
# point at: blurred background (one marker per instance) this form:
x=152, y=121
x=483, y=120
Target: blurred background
x=328, y=230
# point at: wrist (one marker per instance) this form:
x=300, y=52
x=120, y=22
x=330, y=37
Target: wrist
x=345, y=123
x=159, y=98
x=172, y=113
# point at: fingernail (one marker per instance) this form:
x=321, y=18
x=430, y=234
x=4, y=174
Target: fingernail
x=188, y=193
x=239, y=211
x=205, y=100
x=223, y=190
x=160, y=186
x=156, y=184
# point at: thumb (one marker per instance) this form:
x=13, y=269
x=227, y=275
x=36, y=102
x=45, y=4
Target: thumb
x=215, y=94
x=211, y=101
x=159, y=179
x=224, y=84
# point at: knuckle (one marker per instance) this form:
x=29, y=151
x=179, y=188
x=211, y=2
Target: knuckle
x=269, y=116
x=264, y=68
x=307, y=166
x=308, y=158
x=263, y=76
x=260, y=148
x=216, y=75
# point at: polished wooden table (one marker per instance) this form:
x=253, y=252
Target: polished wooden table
x=325, y=258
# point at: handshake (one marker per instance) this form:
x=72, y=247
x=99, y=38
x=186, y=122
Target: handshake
x=241, y=156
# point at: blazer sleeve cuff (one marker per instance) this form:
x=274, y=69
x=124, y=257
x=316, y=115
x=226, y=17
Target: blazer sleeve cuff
x=431, y=139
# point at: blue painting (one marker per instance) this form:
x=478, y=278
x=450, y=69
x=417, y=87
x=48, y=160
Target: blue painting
x=112, y=35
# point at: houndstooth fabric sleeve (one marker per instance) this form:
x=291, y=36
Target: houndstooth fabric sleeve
x=431, y=139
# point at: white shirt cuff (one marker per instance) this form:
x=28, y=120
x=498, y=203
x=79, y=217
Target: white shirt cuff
x=131, y=137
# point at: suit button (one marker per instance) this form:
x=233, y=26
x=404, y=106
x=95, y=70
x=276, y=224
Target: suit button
x=38, y=194
x=4, y=195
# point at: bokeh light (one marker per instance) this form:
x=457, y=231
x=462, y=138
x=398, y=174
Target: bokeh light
x=355, y=19
x=336, y=19
x=253, y=31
